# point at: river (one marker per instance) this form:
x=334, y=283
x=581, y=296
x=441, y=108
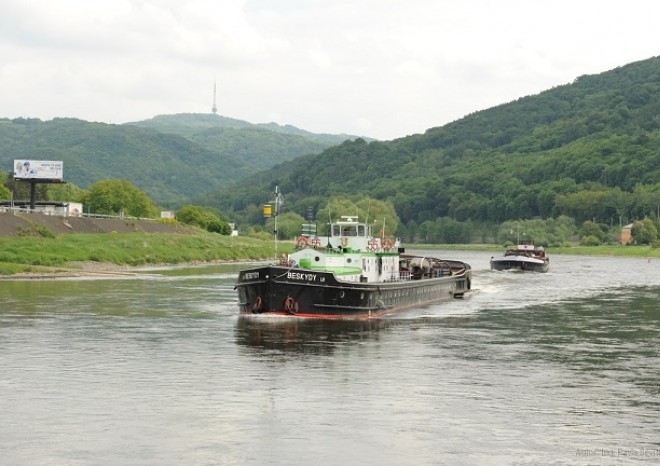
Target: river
x=156, y=368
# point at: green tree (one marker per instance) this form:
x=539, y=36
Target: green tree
x=380, y=214
x=644, y=231
x=21, y=189
x=452, y=231
x=590, y=228
x=203, y=218
x=5, y=193
x=110, y=197
x=66, y=192
x=289, y=225
x=590, y=240
x=549, y=232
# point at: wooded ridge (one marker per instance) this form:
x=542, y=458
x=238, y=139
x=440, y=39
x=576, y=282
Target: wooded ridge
x=589, y=149
x=169, y=157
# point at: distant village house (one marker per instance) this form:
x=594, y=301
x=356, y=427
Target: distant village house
x=625, y=237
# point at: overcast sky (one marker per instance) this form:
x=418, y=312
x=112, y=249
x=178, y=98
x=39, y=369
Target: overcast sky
x=378, y=68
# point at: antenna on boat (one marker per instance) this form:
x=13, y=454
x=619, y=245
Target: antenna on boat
x=329, y=245
x=518, y=227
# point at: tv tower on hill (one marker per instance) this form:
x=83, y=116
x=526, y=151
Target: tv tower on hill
x=214, y=109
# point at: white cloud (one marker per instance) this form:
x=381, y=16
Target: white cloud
x=383, y=68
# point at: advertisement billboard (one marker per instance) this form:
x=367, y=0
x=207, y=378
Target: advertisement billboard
x=38, y=169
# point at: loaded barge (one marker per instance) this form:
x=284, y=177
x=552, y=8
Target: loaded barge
x=349, y=274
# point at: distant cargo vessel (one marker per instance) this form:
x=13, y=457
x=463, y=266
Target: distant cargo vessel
x=524, y=257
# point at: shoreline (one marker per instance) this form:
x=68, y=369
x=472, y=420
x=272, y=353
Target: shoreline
x=94, y=269
x=91, y=269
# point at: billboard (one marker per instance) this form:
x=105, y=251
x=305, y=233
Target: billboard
x=38, y=169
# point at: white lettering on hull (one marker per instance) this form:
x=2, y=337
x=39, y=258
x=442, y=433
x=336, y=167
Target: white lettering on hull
x=301, y=277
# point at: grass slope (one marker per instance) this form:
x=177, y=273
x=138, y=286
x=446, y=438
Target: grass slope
x=31, y=254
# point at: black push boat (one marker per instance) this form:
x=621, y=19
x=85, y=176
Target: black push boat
x=349, y=274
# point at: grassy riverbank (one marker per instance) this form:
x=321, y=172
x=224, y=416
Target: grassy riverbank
x=38, y=254
x=62, y=252
x=623, y=251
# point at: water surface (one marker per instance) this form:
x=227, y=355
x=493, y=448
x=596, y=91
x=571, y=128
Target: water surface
x=555, y=368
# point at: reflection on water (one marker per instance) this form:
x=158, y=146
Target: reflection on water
x=312, y=336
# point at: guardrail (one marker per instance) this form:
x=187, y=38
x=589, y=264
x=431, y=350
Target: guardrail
x=64, y=213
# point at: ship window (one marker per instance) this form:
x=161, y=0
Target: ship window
x=317, y=258
x=349, y=230
x=349, y=260
x=336, y=230
x=361, y=230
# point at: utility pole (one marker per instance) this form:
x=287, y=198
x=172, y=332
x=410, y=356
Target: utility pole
x=279, y=200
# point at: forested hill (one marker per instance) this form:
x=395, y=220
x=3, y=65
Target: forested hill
x=260, y=146
x=191, y=125
x=172, y=158
x=589, y=149
x=165, y=166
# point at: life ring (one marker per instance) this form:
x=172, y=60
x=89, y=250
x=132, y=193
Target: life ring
x=302, y=242
x=372, y=245
x=387, y=244
x=316, y=242
x=256, y=307
x=344, y=242
x=290, y=305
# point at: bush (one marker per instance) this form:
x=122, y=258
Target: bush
x=590, y=240
x=644, y=231
x=203, y=218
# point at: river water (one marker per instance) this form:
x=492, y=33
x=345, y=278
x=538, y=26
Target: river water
x=559, y=368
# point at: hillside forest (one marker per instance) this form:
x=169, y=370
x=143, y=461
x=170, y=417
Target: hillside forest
x=580, y=157
x=170, y=157
x=588, y=150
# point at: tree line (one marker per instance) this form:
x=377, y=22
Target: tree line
x=113, y=197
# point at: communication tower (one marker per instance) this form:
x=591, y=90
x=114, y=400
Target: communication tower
x=214, y=109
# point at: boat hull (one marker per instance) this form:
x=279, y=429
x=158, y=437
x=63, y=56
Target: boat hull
x=310, y=293
x=523, y=264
